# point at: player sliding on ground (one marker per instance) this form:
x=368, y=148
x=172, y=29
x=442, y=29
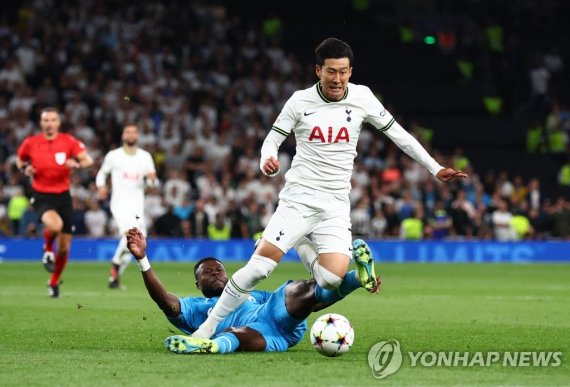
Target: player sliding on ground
x=267, y=321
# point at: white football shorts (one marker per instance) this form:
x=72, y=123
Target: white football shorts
x=303, y=211
x=128, y=219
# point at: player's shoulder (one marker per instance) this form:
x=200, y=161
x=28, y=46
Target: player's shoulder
x=70, y=139
x=143, y=152
x=305, y=94
x=67, y=137
x=29, y=139
x=25, y=145
x=297, y=96
x=360, y=90
x=114, y=152
x=363, y=96
x=303, y=98
x=34, y=138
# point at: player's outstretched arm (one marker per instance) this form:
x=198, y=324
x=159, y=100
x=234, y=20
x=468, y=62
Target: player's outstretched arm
x=410, y=145
x=168, y=302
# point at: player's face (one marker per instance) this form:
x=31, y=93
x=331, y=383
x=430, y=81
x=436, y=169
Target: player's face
x=211, y=278
x=334, y=75
x=50, y=123
x=130, y=135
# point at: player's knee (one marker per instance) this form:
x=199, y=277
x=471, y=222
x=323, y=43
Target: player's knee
x=326, y=279
x=330, y=283
x=256, y=269
x=260, y=267
x=55, y=227
x=52, y=221
x=249, y=340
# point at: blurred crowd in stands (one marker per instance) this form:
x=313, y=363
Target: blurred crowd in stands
x=204, y=87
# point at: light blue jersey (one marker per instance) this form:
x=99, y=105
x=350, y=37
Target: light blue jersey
x=264, y=312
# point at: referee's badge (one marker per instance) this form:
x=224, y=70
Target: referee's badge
x=60, y=158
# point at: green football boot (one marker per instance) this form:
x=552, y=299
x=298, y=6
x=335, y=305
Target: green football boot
x=189, y=344
x=365, y=266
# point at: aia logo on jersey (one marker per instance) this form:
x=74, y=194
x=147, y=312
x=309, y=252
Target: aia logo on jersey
x=330, y=136
x=134, y=176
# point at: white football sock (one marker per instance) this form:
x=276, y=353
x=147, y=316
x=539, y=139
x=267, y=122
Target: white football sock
x=125, y=260
x=121, y=247
x=236, y=292
x=308, y=252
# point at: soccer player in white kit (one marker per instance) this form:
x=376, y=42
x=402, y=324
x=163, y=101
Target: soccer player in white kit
x=326, y=119
x=131, y=168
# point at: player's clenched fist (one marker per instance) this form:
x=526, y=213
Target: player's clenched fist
x=271, y=166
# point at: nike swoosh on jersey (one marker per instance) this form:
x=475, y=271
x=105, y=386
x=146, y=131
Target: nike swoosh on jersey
x=308, y=114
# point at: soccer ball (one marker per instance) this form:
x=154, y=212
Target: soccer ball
x=332, y=335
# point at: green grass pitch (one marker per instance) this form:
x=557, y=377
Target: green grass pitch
x=98, y=337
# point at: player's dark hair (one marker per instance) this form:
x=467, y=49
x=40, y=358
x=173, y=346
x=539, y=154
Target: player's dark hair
x=333, y=48
x=197, y=265
x=49, y=109
x=130, y=123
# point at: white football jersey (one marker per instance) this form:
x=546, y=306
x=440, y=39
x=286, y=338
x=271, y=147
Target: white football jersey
x=327, y=133
x=127, y=178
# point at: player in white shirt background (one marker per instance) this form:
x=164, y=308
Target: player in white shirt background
x=131, y=169
x=326, y=120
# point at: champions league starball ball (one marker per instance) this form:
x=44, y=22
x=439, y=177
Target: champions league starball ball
x=332, y=335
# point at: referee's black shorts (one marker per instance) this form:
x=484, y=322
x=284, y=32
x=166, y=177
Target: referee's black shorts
x=60, y=202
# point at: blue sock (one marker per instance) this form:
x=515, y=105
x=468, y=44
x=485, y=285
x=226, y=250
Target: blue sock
x=227, y=342
x=349, y=284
